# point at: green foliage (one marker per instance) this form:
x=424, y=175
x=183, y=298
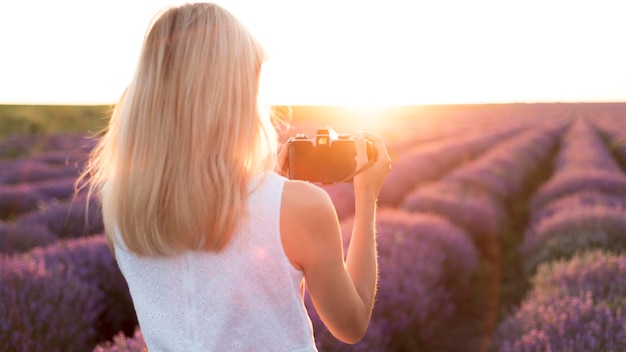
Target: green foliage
x=38, y=119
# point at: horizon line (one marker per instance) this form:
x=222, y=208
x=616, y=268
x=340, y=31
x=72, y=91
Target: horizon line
x=373, y=106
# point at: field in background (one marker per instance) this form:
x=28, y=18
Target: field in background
x=424, y=121
x=39, y=119
x=501, y=228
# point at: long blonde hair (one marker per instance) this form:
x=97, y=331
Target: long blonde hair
x=186, y=137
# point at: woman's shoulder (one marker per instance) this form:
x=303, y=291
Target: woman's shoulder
x=302, y=193
x=302, y=196
x=308, y=220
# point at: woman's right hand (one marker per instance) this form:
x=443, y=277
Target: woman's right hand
x=369, y=182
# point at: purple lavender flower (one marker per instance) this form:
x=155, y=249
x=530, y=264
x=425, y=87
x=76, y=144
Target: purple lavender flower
x=568, y=182
x=23, y=237
x=581, y=199
x=46, y=309
x=583, y=148
x=578, y=228
x=93, y=263
x=15, y=146
x=72, y=218
x=567, y=323
x=85, y=263
x=612, y=127
x=123, y=343
x=475, y=211
x=24, y=146
x=342, y=196
x=575, y=305
x=60, y=188
x=17, y=200
x=583, y=163
x=601, y=273
x=505, y=170
x=427, y=163
x=32, y=170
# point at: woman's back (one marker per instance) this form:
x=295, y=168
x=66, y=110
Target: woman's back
x=246, y=297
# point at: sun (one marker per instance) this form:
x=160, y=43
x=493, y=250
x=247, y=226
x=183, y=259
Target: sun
x=365, y=117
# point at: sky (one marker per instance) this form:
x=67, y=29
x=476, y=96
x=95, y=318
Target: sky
x=337, y=52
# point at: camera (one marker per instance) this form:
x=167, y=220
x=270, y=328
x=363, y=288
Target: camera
x=327, y=158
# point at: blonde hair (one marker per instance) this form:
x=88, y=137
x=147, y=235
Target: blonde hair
x=186, y=137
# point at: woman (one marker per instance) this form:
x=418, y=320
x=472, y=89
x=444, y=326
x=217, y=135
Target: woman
x=214, y=243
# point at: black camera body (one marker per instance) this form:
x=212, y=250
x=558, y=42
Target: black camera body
x=327, y=158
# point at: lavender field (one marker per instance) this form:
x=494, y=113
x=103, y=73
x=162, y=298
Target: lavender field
x=500, y=227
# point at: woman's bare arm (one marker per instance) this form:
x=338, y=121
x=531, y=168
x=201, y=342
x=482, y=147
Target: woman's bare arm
x=343, y=292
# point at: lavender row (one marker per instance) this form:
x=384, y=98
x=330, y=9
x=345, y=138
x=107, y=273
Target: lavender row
x=612, y=127
x=418, y=165
x=424, y=263
x=483, y=188
x=505, y=170
x=428, y=163
x=575, y=305
x=25, y=146
x=581, y=205
x=52, y=220
x=65, y=297
x=32, y=158
x=38, y=170
x=584, y=161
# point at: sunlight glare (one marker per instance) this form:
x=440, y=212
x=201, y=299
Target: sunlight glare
x=363, y=117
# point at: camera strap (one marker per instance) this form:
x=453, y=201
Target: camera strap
x=358, y=171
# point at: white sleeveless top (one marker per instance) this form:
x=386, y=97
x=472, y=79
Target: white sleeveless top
x=244, y=298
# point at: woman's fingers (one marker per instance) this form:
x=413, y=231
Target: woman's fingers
x=384, y=160
x=371, y=180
